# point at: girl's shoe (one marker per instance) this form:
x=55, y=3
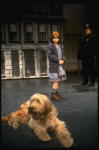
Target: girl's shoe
x=54, y=96
x=58, y=95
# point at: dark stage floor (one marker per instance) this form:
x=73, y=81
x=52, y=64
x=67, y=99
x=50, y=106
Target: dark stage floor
x=79, y=110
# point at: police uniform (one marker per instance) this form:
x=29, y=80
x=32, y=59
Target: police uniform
x=87, y=53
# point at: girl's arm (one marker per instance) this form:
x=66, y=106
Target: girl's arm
x=51, y=56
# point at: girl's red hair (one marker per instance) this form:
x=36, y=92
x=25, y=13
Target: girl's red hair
x=55, y=33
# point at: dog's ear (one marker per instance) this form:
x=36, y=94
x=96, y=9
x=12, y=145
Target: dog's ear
x=48, y=107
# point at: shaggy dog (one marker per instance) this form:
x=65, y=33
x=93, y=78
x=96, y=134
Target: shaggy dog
x=41, y=115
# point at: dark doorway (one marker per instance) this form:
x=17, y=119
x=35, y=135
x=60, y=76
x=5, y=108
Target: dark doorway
x=43, y=62
x=29, y=62
x=15, y=63
x=2, y=64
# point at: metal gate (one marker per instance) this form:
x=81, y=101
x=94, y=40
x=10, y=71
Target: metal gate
x=43, y=62
x=2, y=64
x=15, y=63
x=29, y=63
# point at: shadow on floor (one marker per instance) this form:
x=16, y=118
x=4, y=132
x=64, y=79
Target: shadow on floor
x=81, y=88
x=85, y=88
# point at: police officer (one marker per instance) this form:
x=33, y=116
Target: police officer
x=87, y=53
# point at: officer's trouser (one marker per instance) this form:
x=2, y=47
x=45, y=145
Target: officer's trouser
x=86, y=67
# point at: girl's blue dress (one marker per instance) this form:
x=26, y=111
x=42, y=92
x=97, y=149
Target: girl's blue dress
x=61, y=75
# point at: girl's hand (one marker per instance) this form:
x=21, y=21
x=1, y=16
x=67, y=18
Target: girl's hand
x=61, y=62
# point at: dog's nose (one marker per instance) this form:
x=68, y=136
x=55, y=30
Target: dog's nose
x=31, y=108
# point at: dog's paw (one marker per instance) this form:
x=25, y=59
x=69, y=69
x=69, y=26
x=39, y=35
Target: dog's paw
x=15, y=125
x=44, y=137
x=68, y=142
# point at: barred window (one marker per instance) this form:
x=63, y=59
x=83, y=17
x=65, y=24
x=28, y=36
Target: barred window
x=28, y=32
x=13, y=30
x=42, y=32
x=54, y=27
x=2, y=32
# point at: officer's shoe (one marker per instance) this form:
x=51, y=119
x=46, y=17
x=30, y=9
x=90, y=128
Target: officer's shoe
x=91, y=84
x=84, y=83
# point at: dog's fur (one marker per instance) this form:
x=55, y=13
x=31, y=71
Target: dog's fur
x=41, y=115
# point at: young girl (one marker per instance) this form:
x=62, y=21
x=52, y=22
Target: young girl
x=56, y=58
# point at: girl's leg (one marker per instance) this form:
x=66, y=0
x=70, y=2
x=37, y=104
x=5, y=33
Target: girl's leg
x=60, y=96
x=55, y=85
x=55, y=88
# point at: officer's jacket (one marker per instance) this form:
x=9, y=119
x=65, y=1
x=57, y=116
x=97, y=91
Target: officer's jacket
x=87, y=49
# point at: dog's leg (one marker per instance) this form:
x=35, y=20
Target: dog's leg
x=63, y=134
x=14, y=123
x=39, y=131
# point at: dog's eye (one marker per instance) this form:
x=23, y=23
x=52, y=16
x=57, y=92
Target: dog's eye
x=38, y=101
